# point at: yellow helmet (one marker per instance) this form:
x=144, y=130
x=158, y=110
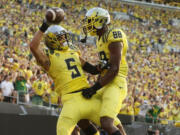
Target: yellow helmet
x=95, y=19
x=56, y=38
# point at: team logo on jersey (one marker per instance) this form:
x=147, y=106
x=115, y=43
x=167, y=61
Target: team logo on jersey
x=57, y=54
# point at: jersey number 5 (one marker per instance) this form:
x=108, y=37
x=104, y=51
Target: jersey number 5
x=117, y=34
x=76, y=72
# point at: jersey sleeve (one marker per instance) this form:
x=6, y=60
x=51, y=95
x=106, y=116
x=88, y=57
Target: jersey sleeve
x=115, y=35
x=79, y=52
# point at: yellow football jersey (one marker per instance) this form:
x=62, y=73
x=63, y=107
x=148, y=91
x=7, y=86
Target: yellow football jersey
x=66, y=71
x=40, y=87
x=113, y=35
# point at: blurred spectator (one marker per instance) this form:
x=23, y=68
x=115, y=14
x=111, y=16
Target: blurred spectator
x=143, y=109
x=152, y=131
x=176, y=114
x=51, y=98
x=157, y=132
x=1, y=96
x=21, y=88
x=7, y=89
x=39, y=87
x=152, y=114
x=163, y=116
x=137, y=105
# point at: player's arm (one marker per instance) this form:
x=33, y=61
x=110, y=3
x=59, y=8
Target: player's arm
x=115, y=58
x=94, y=70
x=36, y=50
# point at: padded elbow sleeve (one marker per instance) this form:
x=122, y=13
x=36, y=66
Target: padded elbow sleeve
x=90, y=68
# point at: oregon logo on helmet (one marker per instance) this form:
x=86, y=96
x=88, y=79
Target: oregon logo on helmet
x=56, y=38
x=95, y=19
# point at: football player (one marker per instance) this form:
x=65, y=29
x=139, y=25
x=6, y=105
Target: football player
x=63, y=65
x=112, y=46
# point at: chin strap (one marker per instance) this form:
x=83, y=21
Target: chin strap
x=84, y=39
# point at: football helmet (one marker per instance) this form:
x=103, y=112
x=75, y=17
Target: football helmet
x=57, y=38
x=95, y=19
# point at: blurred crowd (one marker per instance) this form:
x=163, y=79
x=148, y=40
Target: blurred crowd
x=153, y=56
x=165, y=2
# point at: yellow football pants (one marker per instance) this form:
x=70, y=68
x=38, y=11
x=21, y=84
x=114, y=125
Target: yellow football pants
x=75, y=108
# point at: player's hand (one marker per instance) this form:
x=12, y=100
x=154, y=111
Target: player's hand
x=89, y=92
x=103, y=64
x=44, y=26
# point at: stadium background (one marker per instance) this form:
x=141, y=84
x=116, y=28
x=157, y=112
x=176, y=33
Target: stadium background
x=153, y=56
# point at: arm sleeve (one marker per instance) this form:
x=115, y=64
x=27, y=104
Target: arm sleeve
x=90, y=68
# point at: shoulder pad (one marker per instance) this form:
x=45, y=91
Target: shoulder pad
x=114, y=35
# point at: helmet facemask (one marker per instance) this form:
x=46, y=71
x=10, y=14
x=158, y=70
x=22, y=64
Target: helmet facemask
x=96, y=18
x=63, y=39
x=92, y=24
x=57, y=39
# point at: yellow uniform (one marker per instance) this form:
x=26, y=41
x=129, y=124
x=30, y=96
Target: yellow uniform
x=66, y=71
x=115, y=92
x=68, y=76
x=39, y=87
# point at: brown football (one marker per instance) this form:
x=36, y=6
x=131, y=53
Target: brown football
x=55, y=15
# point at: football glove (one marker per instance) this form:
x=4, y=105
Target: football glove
x=103, y=64
x=44, y=26
x=89, y=92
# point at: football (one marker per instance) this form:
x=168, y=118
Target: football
x=55, y=15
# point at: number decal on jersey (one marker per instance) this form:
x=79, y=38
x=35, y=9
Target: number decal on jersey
x=39, y=86
x=117, y=34
x=72, y=67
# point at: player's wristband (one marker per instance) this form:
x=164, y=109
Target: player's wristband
x=44, y=27
x=96, y=86
x=90, y=68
